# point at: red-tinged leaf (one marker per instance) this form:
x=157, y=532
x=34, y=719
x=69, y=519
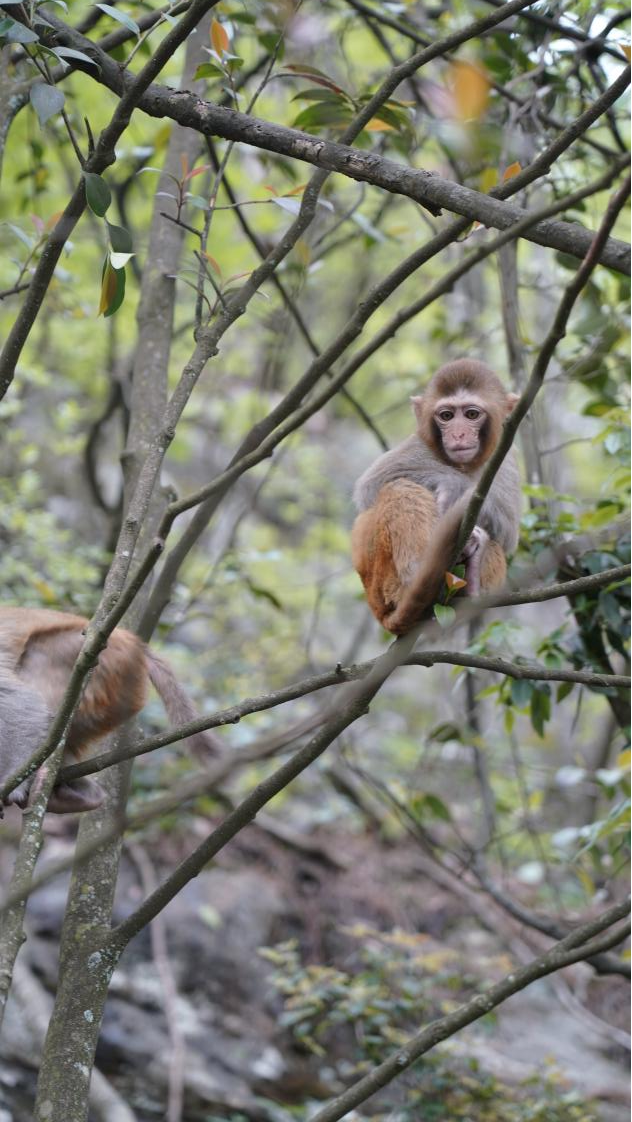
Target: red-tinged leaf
x=38, y=223
x=296, y=190
x=213, y=263
x=513, y=170
x=184, y=164
x=272, y=190
x=53, y=220
x=321, y=93
x=454, y=583
x=197, y=171
x=316, y=76
x=219, y=37
x=239, y=276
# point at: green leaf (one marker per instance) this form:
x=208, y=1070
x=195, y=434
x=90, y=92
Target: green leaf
x=120, y=238
x=208, y=70
x=564, y=689
x=447, y=730
x=437, y=807
x=70, y=52
x=120, y=17
x=46, y=101
x=444, y=615
x=540, y=708
x=17, y=33
x=520, y=692
x=321, y=115
x=98, y=193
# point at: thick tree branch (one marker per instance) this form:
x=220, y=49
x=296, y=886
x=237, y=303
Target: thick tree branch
x=423, y=187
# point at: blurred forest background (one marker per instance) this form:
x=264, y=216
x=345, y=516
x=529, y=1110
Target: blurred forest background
x=282, y=314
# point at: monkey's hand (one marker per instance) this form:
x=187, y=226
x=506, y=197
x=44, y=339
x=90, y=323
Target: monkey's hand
x=471, y=555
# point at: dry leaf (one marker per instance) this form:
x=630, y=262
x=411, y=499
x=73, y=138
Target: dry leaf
x=470, y=89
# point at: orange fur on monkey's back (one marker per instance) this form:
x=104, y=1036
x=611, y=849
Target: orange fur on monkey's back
x=387, y=541
x=45, y=646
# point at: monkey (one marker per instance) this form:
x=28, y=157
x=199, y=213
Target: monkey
x=412, y=499
x=38, y=648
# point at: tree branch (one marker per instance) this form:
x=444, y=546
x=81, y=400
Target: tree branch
x=579, y=945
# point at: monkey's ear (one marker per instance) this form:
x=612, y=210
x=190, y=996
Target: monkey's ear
x=417, y=404
x=512, y=401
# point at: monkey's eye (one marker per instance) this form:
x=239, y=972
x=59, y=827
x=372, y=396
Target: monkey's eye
x=446, y=415
x=472, y=414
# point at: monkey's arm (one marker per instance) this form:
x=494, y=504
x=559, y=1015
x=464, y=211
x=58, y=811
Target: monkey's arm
x=500, y=513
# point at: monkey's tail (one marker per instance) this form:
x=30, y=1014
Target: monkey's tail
x=179, y=707
x=426, y=584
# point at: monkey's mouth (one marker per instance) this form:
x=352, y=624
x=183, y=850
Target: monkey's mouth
x=465, y=453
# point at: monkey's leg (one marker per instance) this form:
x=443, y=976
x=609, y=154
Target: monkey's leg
x=73, y=798
x=493, y=566
x=473, y=551
x=24, y=720
x=388, y=542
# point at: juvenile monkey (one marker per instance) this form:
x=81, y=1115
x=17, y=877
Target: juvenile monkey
x=412, y=499
x=38, y=649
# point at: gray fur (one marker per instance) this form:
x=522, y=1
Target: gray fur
x=24, y=721
x=412, y=459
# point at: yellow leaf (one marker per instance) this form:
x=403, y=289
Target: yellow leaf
x=454, y=583
x=488, y=179
x=303, y=252
x=624, y=758
x=377, y=125
x=219, y=37
x=535, y=800
x=625, y=47
x=511, y=171
x=470, y=88
x=108, y=289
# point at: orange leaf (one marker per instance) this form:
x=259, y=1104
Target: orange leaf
x=625, y=47
x=454, y=583
x=470, y=88
x=272, y=190
x=184, y=164
x=219, y=37
x=511, y=171
x=296, y=190
x=213, y=263
x=197, y=171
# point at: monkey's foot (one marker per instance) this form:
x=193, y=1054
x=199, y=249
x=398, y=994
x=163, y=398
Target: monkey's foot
x=76, y=797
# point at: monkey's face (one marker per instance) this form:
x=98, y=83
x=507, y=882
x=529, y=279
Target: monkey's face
x=461, y=421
